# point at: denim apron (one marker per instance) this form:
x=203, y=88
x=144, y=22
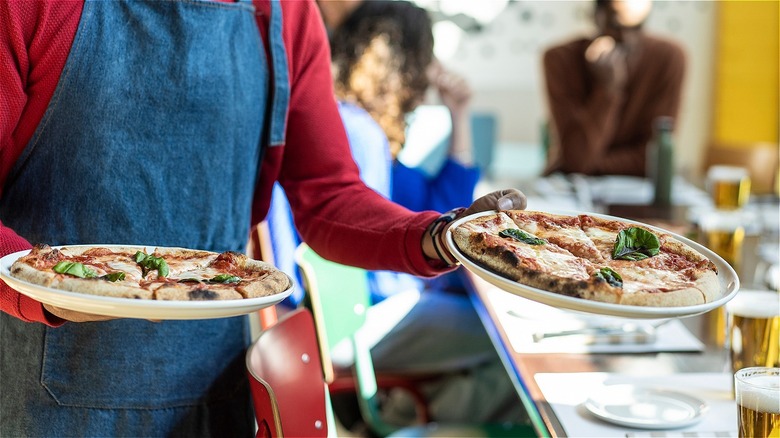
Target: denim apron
x=153, y=136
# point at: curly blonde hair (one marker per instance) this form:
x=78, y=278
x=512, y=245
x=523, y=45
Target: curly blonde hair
x=379, y=57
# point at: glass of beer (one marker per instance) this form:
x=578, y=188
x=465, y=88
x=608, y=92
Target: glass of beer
x=729, y=186
x=758, y=402
x=754, y=329
x=724, y=233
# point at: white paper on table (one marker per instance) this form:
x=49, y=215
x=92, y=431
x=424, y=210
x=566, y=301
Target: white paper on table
x=521, y=318
x=566, y=392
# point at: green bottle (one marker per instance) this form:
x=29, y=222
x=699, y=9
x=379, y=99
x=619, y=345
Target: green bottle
x=660, y=161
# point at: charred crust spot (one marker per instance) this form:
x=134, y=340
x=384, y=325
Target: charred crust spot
x=509, y=257
x=202, y=294
x=574, y=289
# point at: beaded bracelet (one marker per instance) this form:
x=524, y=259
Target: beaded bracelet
x=437, y=236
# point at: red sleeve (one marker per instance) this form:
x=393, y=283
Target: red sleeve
x=35, y=38
x=335, y=212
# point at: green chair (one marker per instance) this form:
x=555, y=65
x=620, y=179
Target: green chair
x=339, y=297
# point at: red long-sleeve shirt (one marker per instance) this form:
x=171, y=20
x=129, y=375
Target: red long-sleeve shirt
x=334, y=211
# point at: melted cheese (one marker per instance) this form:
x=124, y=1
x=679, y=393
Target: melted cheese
x=637, y=278
x=132, y=270
x=560, y=264
x=599, y=235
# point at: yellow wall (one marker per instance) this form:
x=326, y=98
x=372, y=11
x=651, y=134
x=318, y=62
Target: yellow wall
x=747, y=72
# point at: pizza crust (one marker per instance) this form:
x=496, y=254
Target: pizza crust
x=272, y=283
x=681, y=297
x=709, y=285
x=199, y=292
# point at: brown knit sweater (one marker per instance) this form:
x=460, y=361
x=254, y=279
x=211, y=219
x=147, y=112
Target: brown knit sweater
x=594, y=131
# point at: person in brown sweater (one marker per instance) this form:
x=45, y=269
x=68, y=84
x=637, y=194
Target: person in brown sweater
x=604, y=92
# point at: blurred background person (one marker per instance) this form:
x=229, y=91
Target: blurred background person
x=383, y=64
x=604, y=92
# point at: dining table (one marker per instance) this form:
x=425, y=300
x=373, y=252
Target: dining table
x=496, y=309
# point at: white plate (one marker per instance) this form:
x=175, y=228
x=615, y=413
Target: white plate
x=646, y=408
x=132, y=308
x=729, y=282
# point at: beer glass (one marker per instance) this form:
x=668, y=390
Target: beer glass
x=724, y=233
x=758, y=402
x=729, y=186
x=754, y=334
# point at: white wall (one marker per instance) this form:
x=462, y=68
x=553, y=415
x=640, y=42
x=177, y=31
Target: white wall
x=503, y=64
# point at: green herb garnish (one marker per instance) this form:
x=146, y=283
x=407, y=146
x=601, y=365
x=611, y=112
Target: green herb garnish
x=75, y=269
x=114, y=276
x=225, y=278
x=611, y=277
x=151, y=263
x=521, y=236
x=635, y=244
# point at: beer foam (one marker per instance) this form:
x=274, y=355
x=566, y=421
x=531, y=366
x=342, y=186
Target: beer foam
x=755, y=304
x=724, y=220
x=761, y=393
x=726, y=173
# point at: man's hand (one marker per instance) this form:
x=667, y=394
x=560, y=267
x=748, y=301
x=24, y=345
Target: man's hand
x=74, y=316
x=507, y=199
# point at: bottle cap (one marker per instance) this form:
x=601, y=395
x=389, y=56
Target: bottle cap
x=665, y=123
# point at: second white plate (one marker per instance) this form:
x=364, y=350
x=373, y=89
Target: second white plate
x=646, y=408
x=729, y=282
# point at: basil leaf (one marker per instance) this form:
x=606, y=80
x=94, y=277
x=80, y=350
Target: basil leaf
x=75, y=269
x=635, y=244
x=521, y=236
x=225, y=278
x=151, y=263
x=114, y=276
x=611, y=277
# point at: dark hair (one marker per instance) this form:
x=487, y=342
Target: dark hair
x=380, y=55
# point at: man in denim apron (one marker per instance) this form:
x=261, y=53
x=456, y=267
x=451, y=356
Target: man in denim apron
x=139, y=156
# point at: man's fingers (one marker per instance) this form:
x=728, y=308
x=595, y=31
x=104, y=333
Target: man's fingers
x=507, y=199
x=74, y=316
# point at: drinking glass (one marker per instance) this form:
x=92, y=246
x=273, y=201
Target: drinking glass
x=754, y=334
x=729, y=186
x=758, y=402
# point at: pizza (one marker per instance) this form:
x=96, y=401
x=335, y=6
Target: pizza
x=589, y=257
x=162, y=274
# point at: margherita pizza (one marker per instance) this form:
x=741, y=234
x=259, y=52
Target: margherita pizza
x=589, y=257
x=163, y=274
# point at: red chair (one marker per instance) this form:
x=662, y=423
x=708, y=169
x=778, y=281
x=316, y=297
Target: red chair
x=285, y=375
